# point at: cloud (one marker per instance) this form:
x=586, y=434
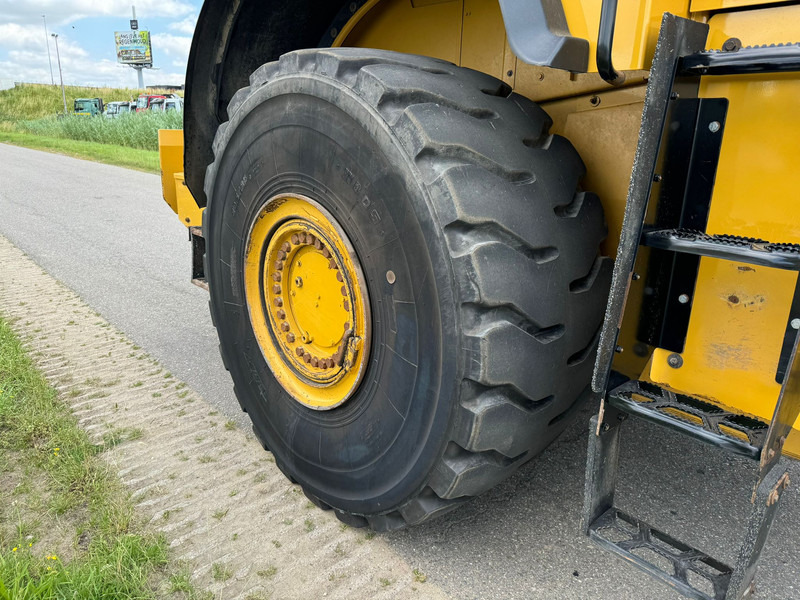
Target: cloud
x=186, y=26
x=62, y=12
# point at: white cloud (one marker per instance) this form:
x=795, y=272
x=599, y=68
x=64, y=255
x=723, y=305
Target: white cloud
x=186, y=26
x=173, y=46
x=61, y=12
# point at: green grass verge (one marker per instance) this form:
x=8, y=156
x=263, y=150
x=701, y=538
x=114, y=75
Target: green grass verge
x=132, y=158
x=67, y=527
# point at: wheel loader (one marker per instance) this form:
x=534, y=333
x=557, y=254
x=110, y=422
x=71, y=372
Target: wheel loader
x=433, y=230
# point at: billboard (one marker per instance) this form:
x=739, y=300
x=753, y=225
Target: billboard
x=133, y=47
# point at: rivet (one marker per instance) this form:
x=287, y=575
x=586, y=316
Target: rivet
x=714, y=126
x=334, y=32
x=276, y=289
x=675, y=360
x=390, y=277
x=285, y=326
x=339, y=276
x=346, y=305
x=290, y=338
x=674, y=96
x=636, y=276
x=594, y=100
x=509, y=73
x=618, y=349
x=278, y=302
x=281, y=313
x=657, y=177
x=683, y=299
x=795, y=323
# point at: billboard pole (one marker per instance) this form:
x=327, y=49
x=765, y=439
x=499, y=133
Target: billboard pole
x=139, y=75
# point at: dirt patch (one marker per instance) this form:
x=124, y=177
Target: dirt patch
x=242, y=529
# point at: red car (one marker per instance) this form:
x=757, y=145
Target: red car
x=145, y=100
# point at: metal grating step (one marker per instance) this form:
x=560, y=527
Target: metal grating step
x=729, y=247
x=707, y=422
x=775, y=58
x=687, y=570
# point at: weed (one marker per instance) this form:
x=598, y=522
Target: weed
x=276, y=543
x=309, y=525
x=385, y=582
x=220, y=572
x=230, y=425
x=220, y=514
x=268, y=573
x=419, y=576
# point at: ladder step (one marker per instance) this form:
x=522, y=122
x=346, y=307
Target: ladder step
x=729, y=247
x=775, y=58
x=734, y=432
x=687, y=570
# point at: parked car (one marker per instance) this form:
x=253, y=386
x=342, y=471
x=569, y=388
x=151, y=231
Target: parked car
x=88, y=107
x=115, y=109
x=145, y=100
x=167, y=104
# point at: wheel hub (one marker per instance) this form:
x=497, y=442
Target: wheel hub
x=307, y=301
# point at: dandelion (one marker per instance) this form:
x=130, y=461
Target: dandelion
x=30, y=545
x=14, y=549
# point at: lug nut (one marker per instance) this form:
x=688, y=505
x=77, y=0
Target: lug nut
x=318, y=244
x=339, y=277
x=286, y=246
x=285, y=326
x=279, y=265
x=295, y=239
x=332, y=264
x=315, y=362
x=346, y=305
x=281, y=255
x=290, y=338
x=278, y=302
x=276, y=289
x=344, y=291
x=308, y=238
x=307, y=357
x=281, y=314
x=346, y=326
x=300, y=351
x=326, y=253
x=276, y=277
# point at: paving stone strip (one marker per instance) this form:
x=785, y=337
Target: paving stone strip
x=225, y=508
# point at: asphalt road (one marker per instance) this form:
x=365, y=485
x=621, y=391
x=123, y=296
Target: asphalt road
x=105, y=232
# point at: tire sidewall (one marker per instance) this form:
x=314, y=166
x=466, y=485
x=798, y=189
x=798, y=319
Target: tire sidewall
x=394, y=429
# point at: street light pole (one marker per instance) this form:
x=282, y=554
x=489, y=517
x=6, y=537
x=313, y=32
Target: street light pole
x=61, y=76
x=49, y=60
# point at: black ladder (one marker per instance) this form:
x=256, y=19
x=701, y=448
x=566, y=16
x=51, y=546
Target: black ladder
x=670, y=190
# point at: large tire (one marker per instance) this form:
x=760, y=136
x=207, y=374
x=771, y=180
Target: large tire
x=484, y=345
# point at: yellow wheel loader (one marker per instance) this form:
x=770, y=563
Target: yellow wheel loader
x=406, y=212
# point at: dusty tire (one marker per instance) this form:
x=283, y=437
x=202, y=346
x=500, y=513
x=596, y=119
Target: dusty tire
x=484, y=344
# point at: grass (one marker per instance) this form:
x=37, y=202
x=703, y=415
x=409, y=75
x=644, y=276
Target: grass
x=35, y=101
x=69, y=531
x=132, y=130
x=28, y=118
x=131, y=158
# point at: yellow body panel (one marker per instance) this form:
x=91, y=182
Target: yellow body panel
x=739, y=312
x=189, y=213
x=170, y=157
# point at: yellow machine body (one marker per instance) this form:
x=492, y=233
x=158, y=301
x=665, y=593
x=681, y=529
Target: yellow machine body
x=739, y=311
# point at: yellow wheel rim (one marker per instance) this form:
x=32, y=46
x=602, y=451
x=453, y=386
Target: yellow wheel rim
x=307, y=301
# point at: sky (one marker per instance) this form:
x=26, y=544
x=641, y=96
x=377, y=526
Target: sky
x=85, y=31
